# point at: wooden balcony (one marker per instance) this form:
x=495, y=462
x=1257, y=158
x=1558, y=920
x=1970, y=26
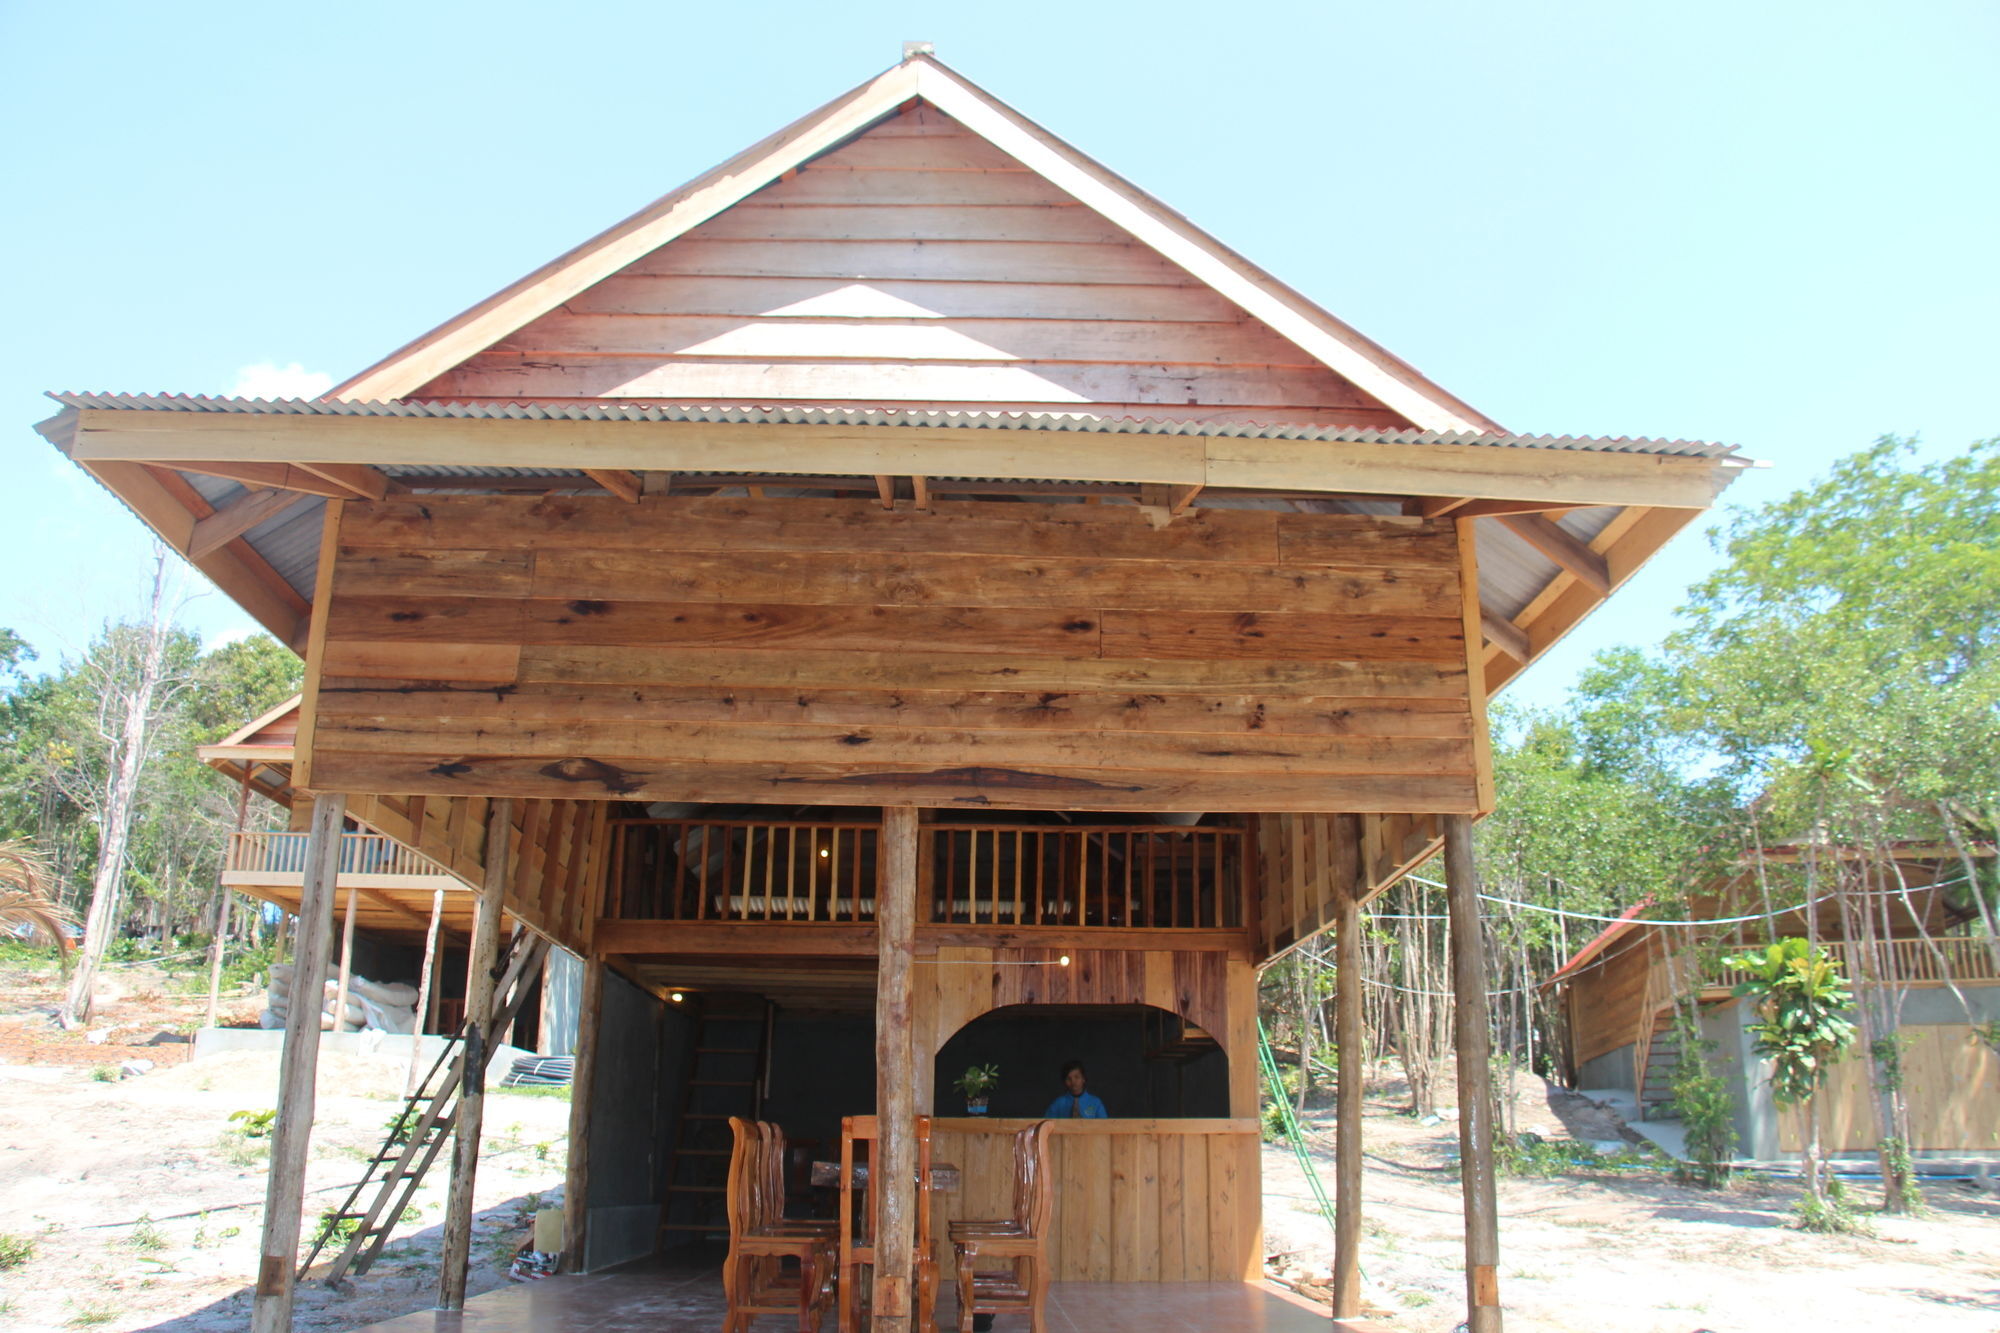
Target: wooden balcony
x=1910, y=962
x=1122, y=877
x=367, y=861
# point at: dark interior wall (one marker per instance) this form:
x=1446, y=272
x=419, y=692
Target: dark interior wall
x=822, y=1068
x=1031, y=1047
x=635, y=1105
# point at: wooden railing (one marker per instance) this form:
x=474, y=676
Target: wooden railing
x=284, y=855
x=715, y=870
x=1135, y=877
x=1903, y=961
x=1111, y=876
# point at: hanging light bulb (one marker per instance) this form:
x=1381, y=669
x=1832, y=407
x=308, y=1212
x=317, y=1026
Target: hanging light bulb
x=675, y=997
x=1064, y=960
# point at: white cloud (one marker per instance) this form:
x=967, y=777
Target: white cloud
x=265, y=380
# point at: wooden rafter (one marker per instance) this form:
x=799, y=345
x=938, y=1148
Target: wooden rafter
x=619, y=482
x=920, y=487
x=1562, y=547
x=280, y=476
x=1504, y=634
x=359, y=482
x=885, y=490
x=236, y=518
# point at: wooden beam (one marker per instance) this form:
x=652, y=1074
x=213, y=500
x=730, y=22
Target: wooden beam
x=225, y=525
x=291, y=1136
x=415, y=918
x=1558, y=477
x=583, y=1084
x=346, y=966
x=895, y=1073
x=1475, y=1080
x=1496, y=508
x=1563, y=548
x=1182, y=499
x=920, y=487
x=1352, y=1078
x=885, y=489
x=264, y=476
x=1504, y=634
x=1475, y=660
x=619, y=482
x=426, y=990
x=359, y=482
x=481, y=980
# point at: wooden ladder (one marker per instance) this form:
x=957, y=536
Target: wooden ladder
x=417, y=1134
x=1663, y=1056
x=725, y=1077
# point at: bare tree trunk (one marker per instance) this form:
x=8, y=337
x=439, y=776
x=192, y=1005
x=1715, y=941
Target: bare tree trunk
x=115, y=826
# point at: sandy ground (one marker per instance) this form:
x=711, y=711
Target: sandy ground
x=1629, y=1251
x=142, y=1205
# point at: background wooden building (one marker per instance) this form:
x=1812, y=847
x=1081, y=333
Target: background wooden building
x=899, y=561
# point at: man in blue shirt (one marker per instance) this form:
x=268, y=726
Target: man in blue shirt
x=1076, y=1103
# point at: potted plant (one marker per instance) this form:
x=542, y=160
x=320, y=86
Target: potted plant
x=977, y=1084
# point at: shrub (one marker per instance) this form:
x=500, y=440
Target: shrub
x=15, y=1250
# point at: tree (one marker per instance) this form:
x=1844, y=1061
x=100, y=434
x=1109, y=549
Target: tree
x=1803, y=1030
x=133, y=669
x=26, y=909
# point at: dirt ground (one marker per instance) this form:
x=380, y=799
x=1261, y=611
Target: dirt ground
x=141, y=1204
x=1629, y=1251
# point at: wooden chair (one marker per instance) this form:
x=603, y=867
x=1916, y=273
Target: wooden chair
x=754, y=1278
x=1022, y=1240
x=857, y=1233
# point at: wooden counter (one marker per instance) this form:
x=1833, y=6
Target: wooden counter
x=1135, y=1200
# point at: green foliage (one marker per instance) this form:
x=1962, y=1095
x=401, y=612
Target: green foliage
x=1533, y=1157
x=104, y=1074
x=1899, y=1180
x=254, y=1124
x=146, y=1235
x=400, y=1126
x=89, y=1314
x=1803, y=999
x=1830, y=1212
x=978, y=1080
x=15, y=1250
x=1701, y=1100
x=331, y=1229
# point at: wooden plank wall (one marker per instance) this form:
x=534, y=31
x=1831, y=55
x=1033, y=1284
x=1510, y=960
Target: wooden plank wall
x=557, y=856
x=1296, y=868
x=1953, y=1083
x=1074, y=657
x=1215, y=991
x=916, y=265
x=1135, y=1200
x=1608, y=997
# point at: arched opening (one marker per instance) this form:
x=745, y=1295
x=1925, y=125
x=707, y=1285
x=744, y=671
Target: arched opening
x=1143, y=1062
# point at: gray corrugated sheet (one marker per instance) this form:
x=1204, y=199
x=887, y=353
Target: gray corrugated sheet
x=845, y=416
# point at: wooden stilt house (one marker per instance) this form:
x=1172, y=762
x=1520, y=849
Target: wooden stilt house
x=906, y=572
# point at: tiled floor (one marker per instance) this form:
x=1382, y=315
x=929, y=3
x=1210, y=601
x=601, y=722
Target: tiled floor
x=666, y=1299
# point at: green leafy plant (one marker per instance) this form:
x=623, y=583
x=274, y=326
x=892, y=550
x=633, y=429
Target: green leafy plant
x=978, y=1081
x=332, y=1228
x=254, y=1124
x=1701, y=1099
x=88, y=1314
x=401, y=1125
x=1803, y=1001
x=104, y=1074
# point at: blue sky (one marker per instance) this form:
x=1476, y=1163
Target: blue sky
x=1769, y=224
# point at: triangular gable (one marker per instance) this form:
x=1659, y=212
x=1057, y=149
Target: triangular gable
x=275, y=730
x=581, y=327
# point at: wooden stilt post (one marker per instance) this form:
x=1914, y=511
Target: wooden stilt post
x=346, y=967
x=1475, y=1101
x=895, y=1077
x=576, y=1179
x=285, y=1189
x=224, y=894
x=426, y=985
x=1347, y=1097
x=481, y=983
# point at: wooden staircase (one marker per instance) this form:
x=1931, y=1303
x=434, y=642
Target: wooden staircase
x=428, y=1118
x=724, y=1078
x=1663, y=1056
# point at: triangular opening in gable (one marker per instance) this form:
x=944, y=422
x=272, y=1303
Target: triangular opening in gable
x=916, y=265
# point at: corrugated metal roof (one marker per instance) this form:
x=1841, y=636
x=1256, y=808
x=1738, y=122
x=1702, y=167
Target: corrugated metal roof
x=851, y=416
